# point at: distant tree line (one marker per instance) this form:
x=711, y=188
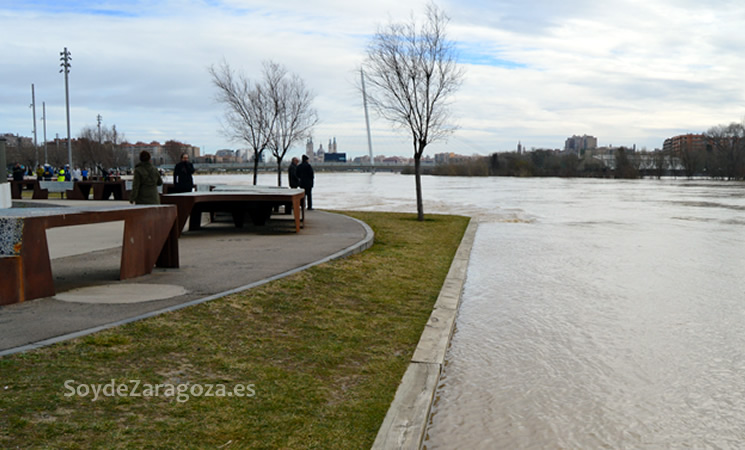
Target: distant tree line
x=722, y=156
x=92, y=149
x=538, y=163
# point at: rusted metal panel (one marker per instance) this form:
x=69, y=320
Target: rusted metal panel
x=258, y=204
x=150, y=238
x=12, y=286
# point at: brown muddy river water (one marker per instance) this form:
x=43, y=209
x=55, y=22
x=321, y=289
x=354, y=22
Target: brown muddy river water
x=596, y=313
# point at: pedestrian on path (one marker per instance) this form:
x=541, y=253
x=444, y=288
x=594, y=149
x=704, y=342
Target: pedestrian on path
x=146, y=182
x=306, y=176
x=182, y=175
x=292, y=173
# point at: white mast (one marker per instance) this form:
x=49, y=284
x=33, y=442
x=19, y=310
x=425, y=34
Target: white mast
x=367, y=122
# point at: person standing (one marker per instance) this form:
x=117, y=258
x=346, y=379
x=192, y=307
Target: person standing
x=305, y=175
x=292, y=173
x=182, y=175
x=18, y=172
x=146, y=182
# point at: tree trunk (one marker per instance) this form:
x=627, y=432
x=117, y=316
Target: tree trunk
x=279, y=172
x=256, y=167
x=418, y=179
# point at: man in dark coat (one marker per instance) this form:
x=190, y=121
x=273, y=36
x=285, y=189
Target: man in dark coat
x=182, y=175
x=18, y=172
x=292, y=173
x=305, y=175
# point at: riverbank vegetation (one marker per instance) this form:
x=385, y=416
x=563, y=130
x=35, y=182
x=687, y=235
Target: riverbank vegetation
x=319, y=355
x=719, y=153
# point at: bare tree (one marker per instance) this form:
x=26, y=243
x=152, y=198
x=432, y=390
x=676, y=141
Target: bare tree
x=727, y=143
x=691, y=159
x=174, y=150
x=20, y=151
x=100, y=149
x=250, y=116
x=659, y=158
x=294, y=114
x=625, y=164
x=412, y=71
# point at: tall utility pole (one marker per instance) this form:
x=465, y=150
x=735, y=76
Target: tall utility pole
x=367, y=122
x=44, y=118
x=33, y=108
x=66, y=68
x=99, y=128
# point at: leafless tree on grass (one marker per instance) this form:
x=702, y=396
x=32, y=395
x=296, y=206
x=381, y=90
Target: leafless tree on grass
x=294, y=114
x=250, y=114
x=412, y=71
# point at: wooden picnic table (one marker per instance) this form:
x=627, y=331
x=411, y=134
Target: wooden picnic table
x=258, y=203
x=150, y=239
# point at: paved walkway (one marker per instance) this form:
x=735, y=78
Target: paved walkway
x=216, y=260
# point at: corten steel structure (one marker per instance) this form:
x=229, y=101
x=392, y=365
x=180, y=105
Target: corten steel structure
x=150, y=239
x=257, y=203
x=102, y=190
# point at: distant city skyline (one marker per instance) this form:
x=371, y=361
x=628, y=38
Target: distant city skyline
x=536, y=72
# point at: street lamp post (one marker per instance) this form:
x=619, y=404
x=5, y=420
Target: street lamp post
x=98, y=118
x=44, y=118
x=66, y=69
x=33, y=109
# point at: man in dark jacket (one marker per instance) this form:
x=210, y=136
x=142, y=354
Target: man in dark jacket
x=18, y=172
x=292, y=173
x=182, y=175
x=305, y=175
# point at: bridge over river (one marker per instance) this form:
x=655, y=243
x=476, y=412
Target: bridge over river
x=319, y=167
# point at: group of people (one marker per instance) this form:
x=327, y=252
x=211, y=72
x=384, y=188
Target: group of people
x=49, y=173
x=302, y=176
x=147, y=179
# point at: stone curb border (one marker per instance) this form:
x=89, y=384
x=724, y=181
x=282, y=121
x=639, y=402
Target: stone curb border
x=358, y=247
x=406, y=421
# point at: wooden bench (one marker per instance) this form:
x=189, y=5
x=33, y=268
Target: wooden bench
x=150, y=239
x=257, y=203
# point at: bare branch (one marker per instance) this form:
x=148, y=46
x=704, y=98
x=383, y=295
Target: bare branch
x=293, y=111
x=249, y=114
x=412, y=72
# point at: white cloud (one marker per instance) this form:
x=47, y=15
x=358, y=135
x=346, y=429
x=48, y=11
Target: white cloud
x=629, y=73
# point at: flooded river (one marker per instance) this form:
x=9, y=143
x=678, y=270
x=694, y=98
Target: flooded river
x=596, y=313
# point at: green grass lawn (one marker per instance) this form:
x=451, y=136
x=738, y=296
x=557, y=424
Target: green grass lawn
x=322, y=353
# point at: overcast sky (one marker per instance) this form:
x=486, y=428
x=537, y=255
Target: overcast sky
x=537, y=71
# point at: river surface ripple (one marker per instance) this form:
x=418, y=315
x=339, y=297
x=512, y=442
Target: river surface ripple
x=596, y=313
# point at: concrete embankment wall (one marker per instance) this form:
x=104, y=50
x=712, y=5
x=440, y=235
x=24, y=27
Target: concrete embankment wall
x=406, y=421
